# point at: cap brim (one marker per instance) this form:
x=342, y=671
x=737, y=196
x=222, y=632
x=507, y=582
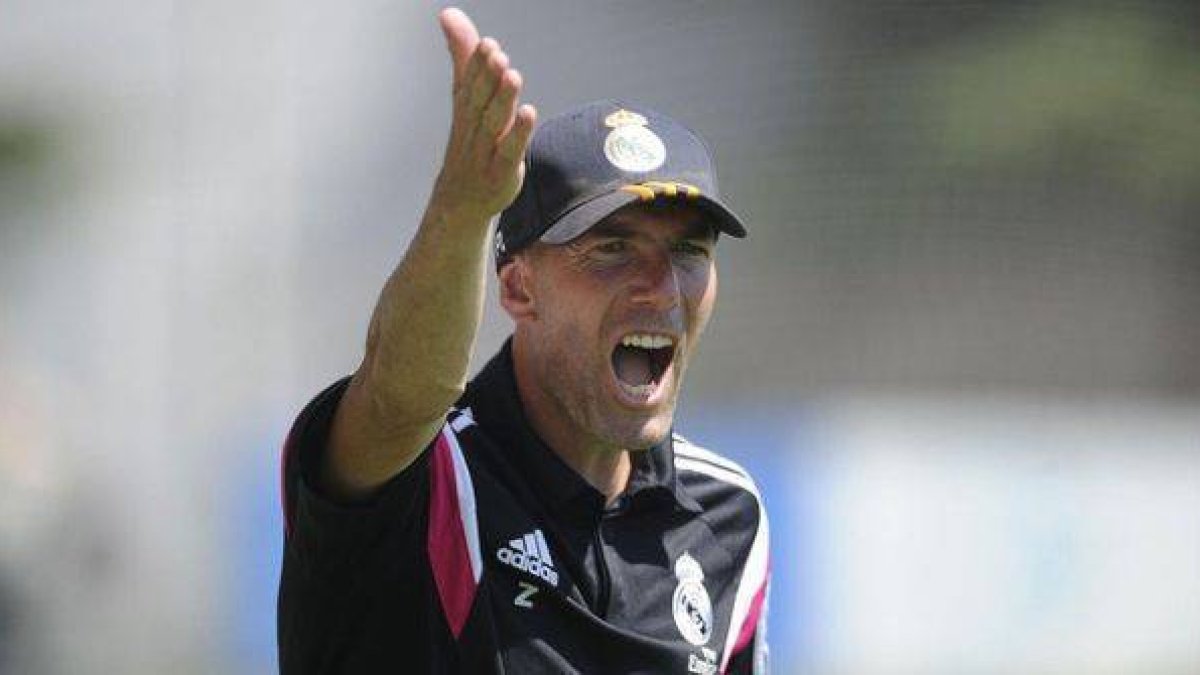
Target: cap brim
x=581, y=218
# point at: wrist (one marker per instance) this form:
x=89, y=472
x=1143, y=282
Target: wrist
x=452, y=209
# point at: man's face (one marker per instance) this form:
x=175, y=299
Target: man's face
x=617, y=315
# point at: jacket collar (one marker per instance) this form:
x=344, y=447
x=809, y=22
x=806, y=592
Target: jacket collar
x=496, y=406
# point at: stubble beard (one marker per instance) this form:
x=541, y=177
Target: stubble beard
x=577, y=386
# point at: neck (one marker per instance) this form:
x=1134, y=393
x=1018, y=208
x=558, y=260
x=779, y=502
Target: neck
x=605, y=468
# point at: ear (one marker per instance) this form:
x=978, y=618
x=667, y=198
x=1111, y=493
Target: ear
x=515, y=289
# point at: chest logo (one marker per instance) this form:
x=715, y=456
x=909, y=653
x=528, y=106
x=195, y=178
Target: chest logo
x=690, y=603
x=531, y=555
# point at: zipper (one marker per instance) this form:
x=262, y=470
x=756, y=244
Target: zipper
x=603, y=583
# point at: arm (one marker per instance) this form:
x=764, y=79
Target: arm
x=424, y=324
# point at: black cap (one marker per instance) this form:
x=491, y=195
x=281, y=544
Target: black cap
x=588, y=162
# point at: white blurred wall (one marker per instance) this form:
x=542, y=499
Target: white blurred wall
x=1000, y=535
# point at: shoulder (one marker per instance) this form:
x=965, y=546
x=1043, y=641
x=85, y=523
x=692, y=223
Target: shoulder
x=700, y=466
x=731, y=501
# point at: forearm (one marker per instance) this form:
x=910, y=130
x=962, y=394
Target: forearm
x=418, y=349
x=424, y=325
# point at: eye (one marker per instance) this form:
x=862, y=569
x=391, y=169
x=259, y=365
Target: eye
x=612, y=246
x=691, y=248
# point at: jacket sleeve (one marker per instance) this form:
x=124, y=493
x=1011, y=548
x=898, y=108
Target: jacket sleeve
x=754, y=657
x=324, y=535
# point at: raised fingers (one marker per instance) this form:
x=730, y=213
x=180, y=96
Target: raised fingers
x=498, y=114
x=511, y=148
x=479, y=78
x=495, y=67
x=482, y=168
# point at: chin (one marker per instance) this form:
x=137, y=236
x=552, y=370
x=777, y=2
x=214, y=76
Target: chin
x=642, y=433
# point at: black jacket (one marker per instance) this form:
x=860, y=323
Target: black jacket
x=490, y=555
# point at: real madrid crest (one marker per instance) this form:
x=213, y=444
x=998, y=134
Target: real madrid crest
x=690, y=603
x=631, y=146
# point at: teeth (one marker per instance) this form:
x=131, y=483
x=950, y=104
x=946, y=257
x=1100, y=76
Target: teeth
x=647, y=341
x=640, y=389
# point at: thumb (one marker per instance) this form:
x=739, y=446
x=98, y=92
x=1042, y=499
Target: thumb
x=461, y=37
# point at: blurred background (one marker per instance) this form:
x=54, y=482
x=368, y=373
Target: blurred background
x=960, y=349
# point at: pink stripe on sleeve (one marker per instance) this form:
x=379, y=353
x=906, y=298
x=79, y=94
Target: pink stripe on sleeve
x=446, y=542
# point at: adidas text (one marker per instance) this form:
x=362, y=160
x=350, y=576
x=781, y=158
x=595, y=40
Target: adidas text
x=530, y=554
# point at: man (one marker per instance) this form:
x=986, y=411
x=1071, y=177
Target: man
x=544, y=519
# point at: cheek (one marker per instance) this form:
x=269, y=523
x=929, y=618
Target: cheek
x=700, y=293
x=567, y=313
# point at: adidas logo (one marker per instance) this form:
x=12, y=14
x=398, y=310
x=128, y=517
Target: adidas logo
x=530, y=554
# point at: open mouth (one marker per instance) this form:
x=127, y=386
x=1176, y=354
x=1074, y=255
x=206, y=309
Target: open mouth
x=641, y=360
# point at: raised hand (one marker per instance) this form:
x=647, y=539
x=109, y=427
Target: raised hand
x=483, y=168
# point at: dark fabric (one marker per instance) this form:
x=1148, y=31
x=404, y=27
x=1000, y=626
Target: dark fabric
x=357, y=593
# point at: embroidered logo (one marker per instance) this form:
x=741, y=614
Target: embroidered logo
x=706, y=665
x=690, y=603
x=531, y=555
x=631, y=146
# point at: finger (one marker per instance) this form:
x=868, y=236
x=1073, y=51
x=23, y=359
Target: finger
x=512, y=147
x=461, y=37
x=488, y=79
x=500, y=111
x=491, y=81
x=469, y=88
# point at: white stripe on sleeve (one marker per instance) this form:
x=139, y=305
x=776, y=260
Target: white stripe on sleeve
x=466, y=501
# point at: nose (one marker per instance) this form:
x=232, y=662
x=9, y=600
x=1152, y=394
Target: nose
x=657, y=281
